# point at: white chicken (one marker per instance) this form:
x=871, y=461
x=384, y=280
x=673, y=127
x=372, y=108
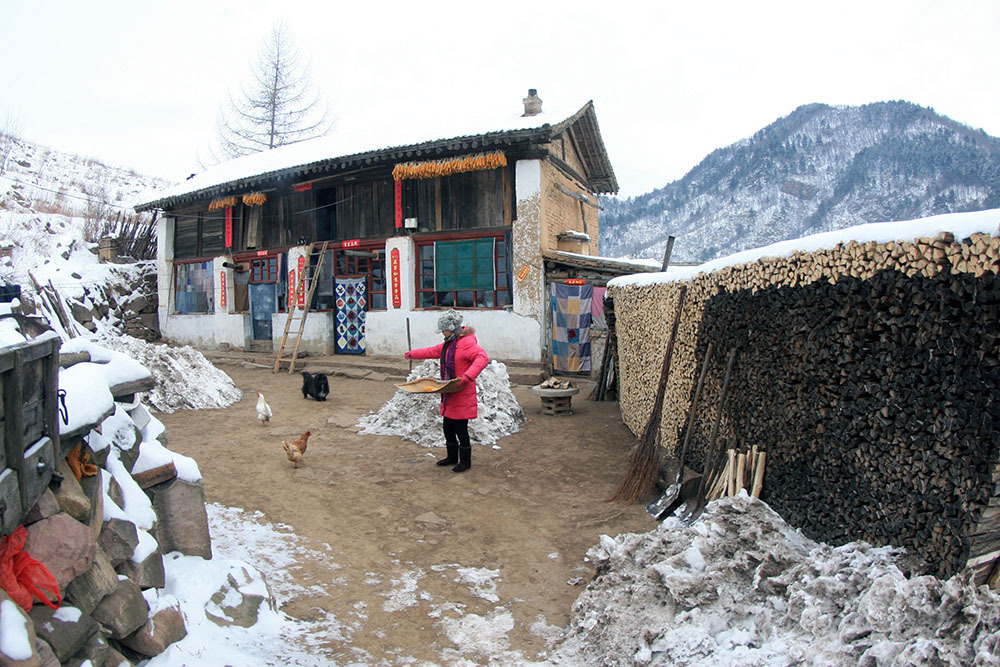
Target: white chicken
x=263, y=409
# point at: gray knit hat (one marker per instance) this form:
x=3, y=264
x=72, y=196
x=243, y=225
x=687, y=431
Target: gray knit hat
x=450, y=320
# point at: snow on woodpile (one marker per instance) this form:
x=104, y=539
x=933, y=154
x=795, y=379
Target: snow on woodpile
x=741, y=587
x=184, y=377
x=417, y=417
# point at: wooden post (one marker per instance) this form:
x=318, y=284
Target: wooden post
x=667, y=252
x=731, y=473
x=758, y=477
x=409, y=347
x=741, y=464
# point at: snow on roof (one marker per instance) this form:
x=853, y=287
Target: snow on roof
x=622, y=264
x=344, y=141
x=962, y=225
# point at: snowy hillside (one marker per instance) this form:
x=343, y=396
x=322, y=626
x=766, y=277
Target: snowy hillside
x=819, y=169
x=54, y=207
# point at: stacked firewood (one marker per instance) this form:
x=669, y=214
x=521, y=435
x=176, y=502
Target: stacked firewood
x=556, y=383
x=868, y=372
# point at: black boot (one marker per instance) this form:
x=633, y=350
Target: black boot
x=452, y=457
x=464, y=459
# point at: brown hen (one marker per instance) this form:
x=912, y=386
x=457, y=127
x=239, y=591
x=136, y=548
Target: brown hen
x=294, y=449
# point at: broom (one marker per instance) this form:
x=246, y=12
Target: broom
x=644, y=464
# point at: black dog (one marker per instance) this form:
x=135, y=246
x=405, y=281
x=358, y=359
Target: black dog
x=315, y=385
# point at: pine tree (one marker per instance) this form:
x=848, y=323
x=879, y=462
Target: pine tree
x=278, y=106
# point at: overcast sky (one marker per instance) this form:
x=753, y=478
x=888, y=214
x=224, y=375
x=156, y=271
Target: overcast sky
x=139, y=84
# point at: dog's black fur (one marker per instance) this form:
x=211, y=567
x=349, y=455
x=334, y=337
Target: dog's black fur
x=315, y=385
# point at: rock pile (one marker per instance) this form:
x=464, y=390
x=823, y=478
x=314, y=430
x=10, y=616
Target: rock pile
x=126, y=303
x=103, y=538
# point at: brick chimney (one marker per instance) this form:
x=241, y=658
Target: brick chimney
x=532, y=103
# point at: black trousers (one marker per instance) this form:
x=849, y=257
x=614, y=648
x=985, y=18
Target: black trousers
x=457, y=430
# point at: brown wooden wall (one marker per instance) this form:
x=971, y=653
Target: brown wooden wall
x=356, y=210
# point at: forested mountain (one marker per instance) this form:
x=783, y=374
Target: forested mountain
x=818, y=169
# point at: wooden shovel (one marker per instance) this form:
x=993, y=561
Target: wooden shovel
x=662, y=505
x=712, y=457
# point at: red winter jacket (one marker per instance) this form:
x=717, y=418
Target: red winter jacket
x=470, y=360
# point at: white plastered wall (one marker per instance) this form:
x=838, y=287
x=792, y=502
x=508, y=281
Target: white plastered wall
x=503, y=334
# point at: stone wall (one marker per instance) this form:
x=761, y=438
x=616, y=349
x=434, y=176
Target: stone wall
x=868, y=372
x=102, y=565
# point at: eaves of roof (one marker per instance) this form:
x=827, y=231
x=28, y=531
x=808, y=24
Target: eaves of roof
x=384, y=156
x=581, y=127
x=604, y=264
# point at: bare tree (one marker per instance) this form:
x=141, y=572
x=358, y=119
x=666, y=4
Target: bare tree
x=279, y=106
x=10, y=134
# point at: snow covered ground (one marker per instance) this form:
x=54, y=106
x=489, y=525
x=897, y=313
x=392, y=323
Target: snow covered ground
x=736, y=587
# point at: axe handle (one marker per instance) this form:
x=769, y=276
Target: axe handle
x=409, y=348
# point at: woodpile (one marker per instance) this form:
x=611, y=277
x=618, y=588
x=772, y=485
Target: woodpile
x=868, y=372
x=556, y=383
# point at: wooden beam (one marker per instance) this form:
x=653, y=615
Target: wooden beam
x=155, y=476
x=132, y=387
x=583, y=199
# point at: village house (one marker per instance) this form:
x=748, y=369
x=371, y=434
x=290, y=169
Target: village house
x=386, y=231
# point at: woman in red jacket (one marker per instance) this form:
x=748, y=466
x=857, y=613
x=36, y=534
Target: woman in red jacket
x=461, y=357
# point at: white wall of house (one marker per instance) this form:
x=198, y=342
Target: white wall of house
x=527, y=268
x=503, y=334
x=164, y=270
x=317, y=338
x=512, y=334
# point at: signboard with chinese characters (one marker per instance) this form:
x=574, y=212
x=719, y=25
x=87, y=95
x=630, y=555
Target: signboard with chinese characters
x=291, y=288
x=523, y=273
x=222, y=282
x=353, y=243
x=575, y=281
x=302, y=285
x=397, y=300
x=399, y=203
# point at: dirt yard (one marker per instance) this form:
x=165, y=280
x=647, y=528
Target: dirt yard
x=402, y=531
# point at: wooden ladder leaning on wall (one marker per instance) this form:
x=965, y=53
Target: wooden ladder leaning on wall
x=308, y=283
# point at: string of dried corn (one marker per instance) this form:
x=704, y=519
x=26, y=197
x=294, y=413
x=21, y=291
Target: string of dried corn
x=448, y=166
x=224, y=202
x=254, y=198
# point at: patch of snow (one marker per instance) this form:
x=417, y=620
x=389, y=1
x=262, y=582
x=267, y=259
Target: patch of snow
x=184, y=377
x=739, y=586
x=962, y=225
x=418, y=418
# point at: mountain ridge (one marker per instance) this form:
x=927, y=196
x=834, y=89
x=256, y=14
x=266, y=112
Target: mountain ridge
x=817, y=169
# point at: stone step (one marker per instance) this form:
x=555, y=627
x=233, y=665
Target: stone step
x=360, y=365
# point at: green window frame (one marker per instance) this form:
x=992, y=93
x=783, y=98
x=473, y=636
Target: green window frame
x=464, y=265
x=464, y=272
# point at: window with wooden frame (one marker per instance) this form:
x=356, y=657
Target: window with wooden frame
x=464, y=272
x=194, y=287
x=270, y=269
x=362, y=262
x=199, y=235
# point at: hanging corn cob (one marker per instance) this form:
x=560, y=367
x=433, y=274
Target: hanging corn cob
x=458, y=165
x=254, y=198
x=224, y=202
